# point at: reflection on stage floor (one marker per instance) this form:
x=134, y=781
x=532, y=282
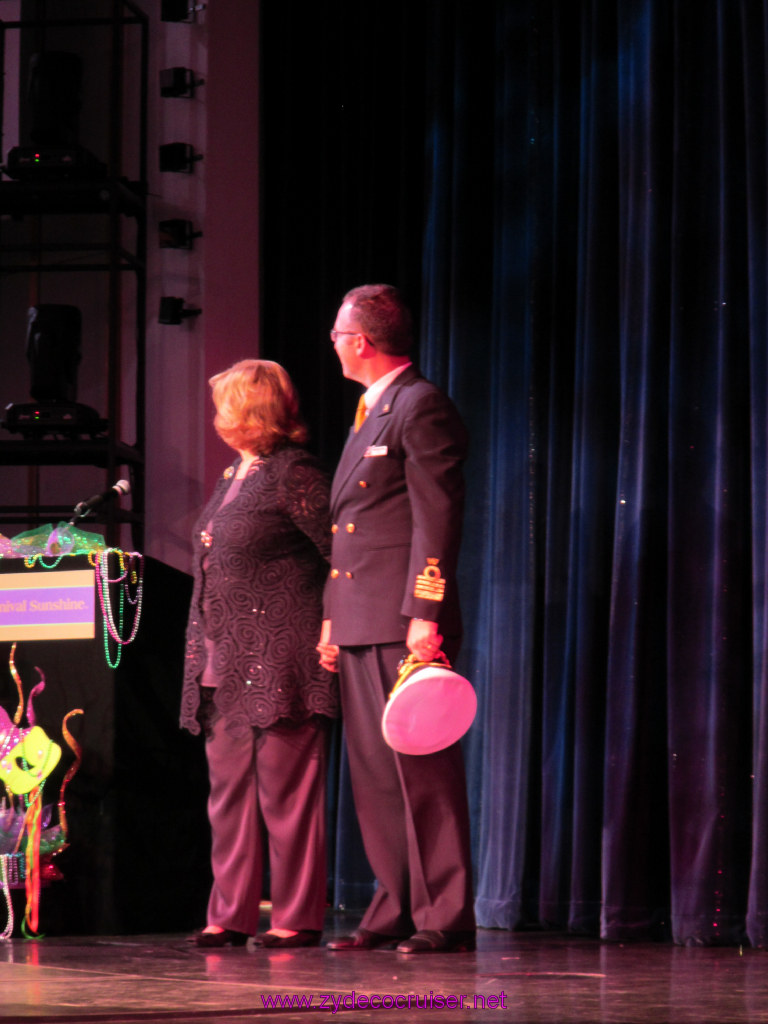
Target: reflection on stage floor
x=526, y=977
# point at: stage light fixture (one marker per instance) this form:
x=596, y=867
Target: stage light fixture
x=175, y=10
x=54, y=98
x=179, y=10
x=49, y=120
x=53, y=352
x=179, y=82
x=172, y=311
x=177, y=234
x=178, y=156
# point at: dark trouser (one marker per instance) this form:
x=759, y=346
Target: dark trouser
x=275, y=777
x=412, y=809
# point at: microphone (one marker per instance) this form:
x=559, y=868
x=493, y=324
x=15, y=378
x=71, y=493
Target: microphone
x=116, y=490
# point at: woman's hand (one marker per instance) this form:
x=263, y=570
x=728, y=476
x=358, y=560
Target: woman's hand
x=329, y=653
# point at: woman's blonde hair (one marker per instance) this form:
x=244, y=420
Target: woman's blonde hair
x=257, y=408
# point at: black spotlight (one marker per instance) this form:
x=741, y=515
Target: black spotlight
x=179, y=10
x=177, y=234
x=54, y=98
x=172, y=311
x=49, y=120
x=178, y=156
x=179, y=82
x=53, y=351
x=175, y=10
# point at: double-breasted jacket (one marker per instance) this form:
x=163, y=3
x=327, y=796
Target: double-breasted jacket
x=397, y=504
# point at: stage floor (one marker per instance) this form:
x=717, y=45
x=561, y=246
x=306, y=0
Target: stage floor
x=525, y=977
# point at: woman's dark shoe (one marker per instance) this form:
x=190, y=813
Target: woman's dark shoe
x=214, y=940
x=305, y=937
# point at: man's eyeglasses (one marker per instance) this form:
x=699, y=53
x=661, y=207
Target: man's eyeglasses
x=335, y=335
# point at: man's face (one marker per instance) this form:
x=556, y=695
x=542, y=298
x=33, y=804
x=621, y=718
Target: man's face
x=346, y=337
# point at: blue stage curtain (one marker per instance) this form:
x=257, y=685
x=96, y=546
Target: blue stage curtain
x=754, y=21
x=589, y=201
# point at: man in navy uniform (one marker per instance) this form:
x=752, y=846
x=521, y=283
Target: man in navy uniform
x=396, y=503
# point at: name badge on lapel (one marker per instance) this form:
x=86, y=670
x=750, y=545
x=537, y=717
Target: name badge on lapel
x=375, y=451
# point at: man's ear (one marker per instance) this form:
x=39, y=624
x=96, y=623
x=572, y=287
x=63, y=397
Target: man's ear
x=363, y=347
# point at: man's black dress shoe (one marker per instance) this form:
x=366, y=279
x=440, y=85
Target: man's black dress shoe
x=361, y=939
x=214, y=940
x=439, y=942
x=305, y=937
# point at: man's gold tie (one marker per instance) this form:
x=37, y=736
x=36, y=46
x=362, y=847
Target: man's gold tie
x=360, y=414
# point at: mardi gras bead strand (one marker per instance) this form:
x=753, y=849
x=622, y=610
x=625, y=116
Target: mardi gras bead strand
x=33, y=560
x=127, y=579
x=8, y=930
x=109, y=630
x=103, y=581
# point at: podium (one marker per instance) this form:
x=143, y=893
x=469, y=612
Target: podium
x=139, y=849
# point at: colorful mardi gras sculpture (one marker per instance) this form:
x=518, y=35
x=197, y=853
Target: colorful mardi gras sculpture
x=28, y=842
